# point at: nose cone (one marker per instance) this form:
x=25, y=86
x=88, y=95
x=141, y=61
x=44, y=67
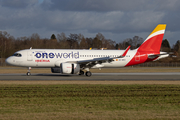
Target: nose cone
x=9, y=61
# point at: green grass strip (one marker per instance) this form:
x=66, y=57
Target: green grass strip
x=90, y=101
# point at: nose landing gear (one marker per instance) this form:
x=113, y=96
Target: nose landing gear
x=29, y=71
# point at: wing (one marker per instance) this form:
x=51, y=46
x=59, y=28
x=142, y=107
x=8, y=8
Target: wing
x=92, y=62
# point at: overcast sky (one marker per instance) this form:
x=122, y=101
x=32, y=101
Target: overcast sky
x=115, y=19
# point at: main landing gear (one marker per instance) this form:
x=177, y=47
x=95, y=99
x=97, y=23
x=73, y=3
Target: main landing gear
x=88, y=73
x=29, y=71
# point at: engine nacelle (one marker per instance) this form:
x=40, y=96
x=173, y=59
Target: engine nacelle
x=69, y=68
x=66, y=68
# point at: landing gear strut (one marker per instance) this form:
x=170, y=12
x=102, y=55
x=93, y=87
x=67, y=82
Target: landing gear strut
x=29, y=71
x=81, y=72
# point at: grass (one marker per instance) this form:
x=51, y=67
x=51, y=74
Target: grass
x=75, y=101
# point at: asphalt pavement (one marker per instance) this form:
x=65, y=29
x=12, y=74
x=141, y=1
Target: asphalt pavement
x=95, y=77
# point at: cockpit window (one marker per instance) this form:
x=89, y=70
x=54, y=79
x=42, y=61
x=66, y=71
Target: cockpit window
x=17, y=54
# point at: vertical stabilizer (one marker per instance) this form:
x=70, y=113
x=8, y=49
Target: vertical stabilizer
x=154, y=40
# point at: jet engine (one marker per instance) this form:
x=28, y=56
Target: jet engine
x=66, y=68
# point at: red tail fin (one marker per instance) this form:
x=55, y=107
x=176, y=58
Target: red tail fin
x=154, y=40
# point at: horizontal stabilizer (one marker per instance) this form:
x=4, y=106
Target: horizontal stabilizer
x=153, y=56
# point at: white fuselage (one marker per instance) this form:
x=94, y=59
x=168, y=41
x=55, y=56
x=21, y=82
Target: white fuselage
x=52, y=58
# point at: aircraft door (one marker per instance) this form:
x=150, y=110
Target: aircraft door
x=29, y=56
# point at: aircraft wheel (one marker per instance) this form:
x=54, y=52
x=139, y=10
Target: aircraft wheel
x=28, y=74
x=88, y=73
x=81, y=72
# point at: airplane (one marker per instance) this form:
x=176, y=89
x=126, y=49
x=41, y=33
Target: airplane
x=75, y=61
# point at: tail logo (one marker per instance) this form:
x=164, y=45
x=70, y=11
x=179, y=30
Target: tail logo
x=154, y=40
x=151, y=45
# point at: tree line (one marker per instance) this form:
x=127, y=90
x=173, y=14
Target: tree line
x=9, y=44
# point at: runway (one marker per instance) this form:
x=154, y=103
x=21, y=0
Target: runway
x=95, y=77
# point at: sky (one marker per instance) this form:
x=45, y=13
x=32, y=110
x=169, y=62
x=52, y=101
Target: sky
x=115, y=19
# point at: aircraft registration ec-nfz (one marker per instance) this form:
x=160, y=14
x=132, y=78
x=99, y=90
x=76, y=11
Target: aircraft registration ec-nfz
x=74, y=61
